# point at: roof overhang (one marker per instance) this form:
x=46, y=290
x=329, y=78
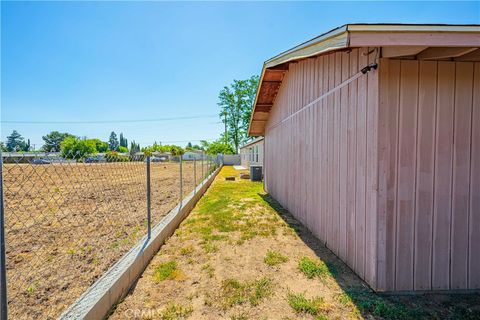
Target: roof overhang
x=427, y=41
x=254, y=141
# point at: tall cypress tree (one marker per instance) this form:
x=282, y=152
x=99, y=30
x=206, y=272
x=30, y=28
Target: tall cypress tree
x=113, y=143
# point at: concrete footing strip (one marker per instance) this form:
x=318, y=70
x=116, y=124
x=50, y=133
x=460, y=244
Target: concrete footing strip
x=97, y=301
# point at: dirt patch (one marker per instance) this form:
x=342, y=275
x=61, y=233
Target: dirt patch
x=244, y=257
x=66, y=224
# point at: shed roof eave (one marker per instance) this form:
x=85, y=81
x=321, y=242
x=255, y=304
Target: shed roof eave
x=366, y=35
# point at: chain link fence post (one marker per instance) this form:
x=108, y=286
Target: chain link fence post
x=181, y=179
x=203, y=157
x=195, y=175
x=3, y=261
x=149, y=204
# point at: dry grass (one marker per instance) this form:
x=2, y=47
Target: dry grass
x=247, y=258
x=67, y=224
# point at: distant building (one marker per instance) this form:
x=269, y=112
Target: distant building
x=193, y=155
x=251, y=153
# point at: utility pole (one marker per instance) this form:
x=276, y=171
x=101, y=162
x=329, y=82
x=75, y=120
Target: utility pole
x=225, y=121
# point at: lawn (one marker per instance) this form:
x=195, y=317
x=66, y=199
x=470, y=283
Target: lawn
x=239, y=255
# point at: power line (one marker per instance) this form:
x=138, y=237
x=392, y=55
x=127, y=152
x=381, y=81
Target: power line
x=111, y=121
x=178, y=141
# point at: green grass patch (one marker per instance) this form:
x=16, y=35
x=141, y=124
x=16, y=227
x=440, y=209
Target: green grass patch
x=314, y=268
x=273, y=258
x=302, y=304
x=368, y=302
x=234, y=212
x=235, y=292
x=167, y=271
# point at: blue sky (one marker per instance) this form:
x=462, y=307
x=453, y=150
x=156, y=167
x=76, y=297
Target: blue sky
x=95, y=61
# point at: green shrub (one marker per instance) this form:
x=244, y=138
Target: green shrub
x=75, y=148
x=113, y=156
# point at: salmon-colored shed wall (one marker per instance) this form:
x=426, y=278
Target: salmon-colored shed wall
x=386, y=170
x=321, y=164
x=429, y=175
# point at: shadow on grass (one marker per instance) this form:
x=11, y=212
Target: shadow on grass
x=381, y=306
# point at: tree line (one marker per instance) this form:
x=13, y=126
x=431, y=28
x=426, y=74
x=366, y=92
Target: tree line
x=235, y=102
x=70, y=145
x=56, y=141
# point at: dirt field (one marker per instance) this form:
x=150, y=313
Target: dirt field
x=66, y=224
x=239, y=255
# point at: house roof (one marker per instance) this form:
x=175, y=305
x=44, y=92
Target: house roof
x=252, y=142
x=422, y=41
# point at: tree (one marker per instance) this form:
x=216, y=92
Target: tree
x=100, y=145
x=75, y=148
x=53, y=141
x=236, y=104
x=134, y=148
x=218, y=146
x=15, y=142
x=173, y=149
x=123, y=141
x=2, y=146
x=113, y=143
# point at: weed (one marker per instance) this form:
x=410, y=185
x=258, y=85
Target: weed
x=273, y=258
x=208, y=301
x=186, y=251
x=209, y=270
x=209, y=247
x=176, y=311
x=31, y=289
x=234, y=292
x=312, y=268
x=241, y=316
x=301, y=304
x=168, y=270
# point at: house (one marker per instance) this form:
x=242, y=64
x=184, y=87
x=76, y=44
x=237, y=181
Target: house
x=193, y=155
x=372, y=140
x=251, y=153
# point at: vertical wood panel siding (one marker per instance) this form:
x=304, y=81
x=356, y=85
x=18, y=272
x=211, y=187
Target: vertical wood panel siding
x=319, y=164
x=429, y=163
x=386, y=171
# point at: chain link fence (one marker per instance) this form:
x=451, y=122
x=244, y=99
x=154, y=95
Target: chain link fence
x=68, y=218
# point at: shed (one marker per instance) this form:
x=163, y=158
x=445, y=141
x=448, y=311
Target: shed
x=251, y=153
x=372, y=140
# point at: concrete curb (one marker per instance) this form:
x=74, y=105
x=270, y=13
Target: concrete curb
x=96, y=302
